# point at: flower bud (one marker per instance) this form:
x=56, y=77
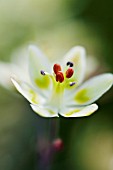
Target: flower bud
x=58, y=144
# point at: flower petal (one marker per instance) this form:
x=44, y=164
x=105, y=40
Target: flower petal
x=77, y=56
x=5, y=72
x=28, y=92
x=93, y=89
x=44, y=111
x=38, y=62
x=8, y=69
x=79, y=111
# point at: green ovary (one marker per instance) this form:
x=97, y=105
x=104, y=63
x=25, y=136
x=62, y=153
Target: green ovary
x=82, y=96
x=44, y=82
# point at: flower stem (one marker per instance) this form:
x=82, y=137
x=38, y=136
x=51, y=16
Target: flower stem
x=54, y=128
x=46, y=155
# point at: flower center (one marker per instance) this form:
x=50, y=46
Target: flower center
x=61, y=80
x=59, y=74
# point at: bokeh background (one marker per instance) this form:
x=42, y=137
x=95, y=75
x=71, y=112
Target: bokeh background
x=56, y=26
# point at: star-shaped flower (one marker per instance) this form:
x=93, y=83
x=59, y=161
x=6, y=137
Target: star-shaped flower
x=56, y=89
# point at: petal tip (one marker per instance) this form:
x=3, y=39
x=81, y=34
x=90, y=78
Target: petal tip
x=80, y=49
x=34, y=49
x=31, y=46
x=110, y=76
x=93, y=108
x=43, y=112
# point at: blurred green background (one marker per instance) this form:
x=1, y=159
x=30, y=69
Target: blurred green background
x=56, y=26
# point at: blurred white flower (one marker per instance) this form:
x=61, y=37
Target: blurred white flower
x=56, y=89
x=92, y=65
x=18, y=66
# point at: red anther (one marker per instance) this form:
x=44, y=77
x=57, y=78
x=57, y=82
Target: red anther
x=58, y=144
x=59, y=77
x=56, y=68
x=69, y=72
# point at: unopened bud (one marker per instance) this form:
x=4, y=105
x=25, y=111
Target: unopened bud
x=58, y=144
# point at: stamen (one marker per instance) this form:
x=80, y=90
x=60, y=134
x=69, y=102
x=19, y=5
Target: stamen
x=69, y=72
x=59, y=77
x=56, y=68
x=72, y=83
x=43, y=72
x=69, y=63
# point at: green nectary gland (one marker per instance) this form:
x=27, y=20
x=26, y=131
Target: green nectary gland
x=82, y=96
x=44, y=82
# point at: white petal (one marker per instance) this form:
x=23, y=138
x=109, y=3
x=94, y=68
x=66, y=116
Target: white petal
x=38, y=62
x=5, y=73
x=79, y=111
x=28, y=92
x=8, y=69
x=77, y=56
x=92, y=65
x=93, y=89
x=20, y=58
x=43, y=111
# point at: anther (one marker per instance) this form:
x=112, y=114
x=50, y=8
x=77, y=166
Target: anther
x=72, y=83
x=59, y=77
x=56, y=68
x=69, y=72
x=69, y=63
x=42, y=72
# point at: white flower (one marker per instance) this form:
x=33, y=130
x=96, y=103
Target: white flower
x=56, y=88
x=17, y=66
